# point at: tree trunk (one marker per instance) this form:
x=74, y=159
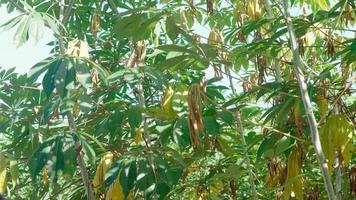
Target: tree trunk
x=298, y=65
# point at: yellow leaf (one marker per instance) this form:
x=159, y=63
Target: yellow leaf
x=213, y=38
x=138, y=136
x=115, y=191
x=14, y=171
x=295, y=187
x=45, y=176
x=167, y=101
x=95, y=22
x=254, y=10
x=336, y=136
x=323, y=107
x=3, y=178
x=104, y=165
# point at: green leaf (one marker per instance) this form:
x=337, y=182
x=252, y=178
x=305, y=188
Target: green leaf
x=89, y=152
x=82, y=73
x=39, y=68
x=171, y=28
x=136, y=26
x=145, y=178
x=65, y=77
x=160, y=114
x=115, y=121
x=162, y=190
x=128, y=74
x=112, y=173
x=283, y=145
x=49, y=78
x=226, y=117
x=60, y=78
x=41, y=156
x=128, y=177
x=181, y=63
x=267, y=147
x=211, y=125
x=134, y=116
x=176, y=48
x=51, y=23
x=50, y=107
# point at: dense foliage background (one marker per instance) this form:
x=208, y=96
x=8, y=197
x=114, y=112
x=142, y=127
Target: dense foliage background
x=135, y=103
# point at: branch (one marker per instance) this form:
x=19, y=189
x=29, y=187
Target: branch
x=67, y=12
x=239, y=128
x=113, y=7
x=72, y=126
x=298, y=65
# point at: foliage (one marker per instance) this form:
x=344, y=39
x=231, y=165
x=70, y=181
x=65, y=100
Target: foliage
x=155, y=110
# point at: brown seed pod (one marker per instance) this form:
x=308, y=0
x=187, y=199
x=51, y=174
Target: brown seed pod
x=261, y=65
x=348, y=16
x=279, y=195
x=240, y=20
x=195, y=120
x=209, y=7
x=192, y=6
x=282, y=172
x=313, y=194
x=272, y=176
x=140, y=50
x=260, y=62
x=217, y=71
x=301, y=45
x=138, y=55
x=94, y=77
x=95, y=22
x=330, y=45
x=233, y=188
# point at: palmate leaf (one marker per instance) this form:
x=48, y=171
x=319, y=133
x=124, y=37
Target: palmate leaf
x=171, y=28
x=176, y=48
x=49, y=78
x=60, y=79
x=36, y=29
x=82, y=73
x=50, y=107
x=122, y=173
x=39, y=68
x=337, y=136
x=137, y=26
x=160, y=113
x=62, y=74
x=134, y=116
x=57, y=153
x=128, y=177
x=21, y=34
x=12, y=22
